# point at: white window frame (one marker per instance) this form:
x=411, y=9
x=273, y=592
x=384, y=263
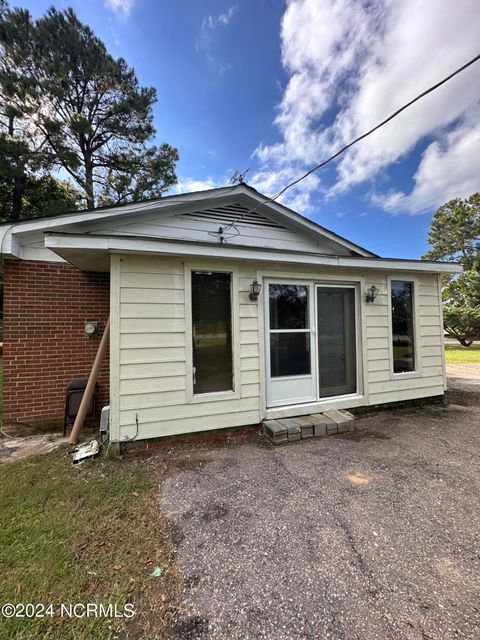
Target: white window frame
x=417, y=372
x=212, y=396
x=310, y=329
x=356, y=286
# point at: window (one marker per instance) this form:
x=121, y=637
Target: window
x=289, y=330
x=403, y=326
x=212, y=332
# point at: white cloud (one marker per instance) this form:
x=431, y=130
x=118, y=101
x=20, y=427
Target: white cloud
x=186, y=185
x=449, y=168
x=120, y=7
x=205, y=42
x=358, y=61
x=225, y=18
x=297, y=198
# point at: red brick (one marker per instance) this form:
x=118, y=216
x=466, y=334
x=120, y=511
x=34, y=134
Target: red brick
x=45, y=308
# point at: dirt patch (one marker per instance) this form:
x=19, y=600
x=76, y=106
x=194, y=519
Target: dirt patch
x=190, y=628
x=13, y=449
x=357, y=477
x=463, y=384
x=363, y=434
x=469, y=370
x=214, y=511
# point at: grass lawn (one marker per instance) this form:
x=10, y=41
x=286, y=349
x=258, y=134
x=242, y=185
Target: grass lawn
x=85, y=534
x=1, y=389
x=456, y=354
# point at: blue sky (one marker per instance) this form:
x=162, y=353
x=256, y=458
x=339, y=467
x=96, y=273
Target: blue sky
x=277, y=86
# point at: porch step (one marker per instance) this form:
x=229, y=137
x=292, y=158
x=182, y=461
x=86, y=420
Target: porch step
x=285, y=430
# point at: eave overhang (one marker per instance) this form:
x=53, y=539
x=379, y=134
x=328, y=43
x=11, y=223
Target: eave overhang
x=91, y=252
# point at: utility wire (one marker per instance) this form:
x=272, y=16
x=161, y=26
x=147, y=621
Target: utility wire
x=353, y=142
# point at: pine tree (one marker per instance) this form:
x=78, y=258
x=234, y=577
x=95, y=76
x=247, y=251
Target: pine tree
x=86, y=111
x=455, y=235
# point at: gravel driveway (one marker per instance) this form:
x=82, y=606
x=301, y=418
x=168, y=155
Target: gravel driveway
x=374, y=534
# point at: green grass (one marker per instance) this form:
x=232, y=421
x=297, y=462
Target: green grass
x=456, y=354
x=91, y=533
x=1, y=389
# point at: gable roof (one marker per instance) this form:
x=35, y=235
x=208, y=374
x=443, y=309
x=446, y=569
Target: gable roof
x=189, y=224
x=242, y=199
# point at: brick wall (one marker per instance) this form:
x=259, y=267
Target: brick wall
x=45, y=307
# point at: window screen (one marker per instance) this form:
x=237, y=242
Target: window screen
x=212, y=332
x=402, y=326
x=289, y=330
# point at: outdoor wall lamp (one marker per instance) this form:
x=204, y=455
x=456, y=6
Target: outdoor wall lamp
x=255, y=289
x=371, y=293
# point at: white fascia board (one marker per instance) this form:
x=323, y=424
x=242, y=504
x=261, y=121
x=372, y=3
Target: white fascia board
x=57, y=242
x=45, y=224
x=7, y=246
x=11, y=234
x=300, y=221
x=398, y=264
x=11, y=247
x=203, y=199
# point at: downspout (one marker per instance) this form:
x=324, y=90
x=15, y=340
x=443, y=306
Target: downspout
x=92, y=381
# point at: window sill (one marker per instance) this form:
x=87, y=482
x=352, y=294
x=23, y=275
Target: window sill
x=406, y=375
x=214, y=396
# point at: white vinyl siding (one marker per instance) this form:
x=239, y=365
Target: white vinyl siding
x=253, y=230
x=153, y=339
x=150, y=345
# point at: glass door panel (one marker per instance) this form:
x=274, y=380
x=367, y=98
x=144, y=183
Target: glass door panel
x=290, y=354
x=290, y=348
x=337, y=366
x=212, y=332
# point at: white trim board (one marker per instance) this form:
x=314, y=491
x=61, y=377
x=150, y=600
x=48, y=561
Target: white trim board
x=86, y=221
x=62, y=243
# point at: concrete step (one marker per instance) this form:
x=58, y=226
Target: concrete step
x=283, y=430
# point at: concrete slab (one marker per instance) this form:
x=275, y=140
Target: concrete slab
x=13, y=449
x=306, y=427
x=293, y=429
x=276, y=432
x=343, y=420
x=350, y=418
x=303, y=427
x=327, y=425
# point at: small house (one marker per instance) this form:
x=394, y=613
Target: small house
x=225, y=309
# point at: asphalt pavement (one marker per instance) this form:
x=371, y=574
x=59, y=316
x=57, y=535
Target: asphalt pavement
x=373, y=534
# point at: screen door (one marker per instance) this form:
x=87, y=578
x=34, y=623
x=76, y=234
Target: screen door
x=291, y=348
x=337, y=362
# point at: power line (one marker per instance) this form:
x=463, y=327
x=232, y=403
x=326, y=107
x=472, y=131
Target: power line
x=361, y=137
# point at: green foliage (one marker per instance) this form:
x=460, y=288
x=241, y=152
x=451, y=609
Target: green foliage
x=455, y=232
x=463, y=290
x=462, y=323
x=42, y=196
x=92, y=118
x=136, y=176
x=22, y=152
x=455, y=235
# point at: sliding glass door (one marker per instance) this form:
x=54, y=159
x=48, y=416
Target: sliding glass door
x=337, y=367
x=311, y=344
